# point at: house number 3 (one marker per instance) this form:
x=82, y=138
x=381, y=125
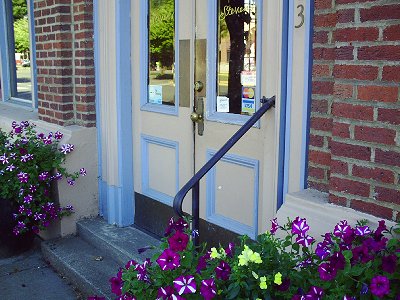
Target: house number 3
x=301, y=15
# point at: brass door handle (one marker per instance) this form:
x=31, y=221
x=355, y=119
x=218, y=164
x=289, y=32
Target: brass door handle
x=195, y=117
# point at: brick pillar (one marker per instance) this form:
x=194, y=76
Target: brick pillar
x=365, y=153
x=65, y=64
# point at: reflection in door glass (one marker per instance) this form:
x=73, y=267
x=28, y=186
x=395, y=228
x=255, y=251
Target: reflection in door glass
x=236, y=65
x=23, y=87
x=161, y=73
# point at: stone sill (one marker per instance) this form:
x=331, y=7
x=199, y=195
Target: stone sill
x=321, y=215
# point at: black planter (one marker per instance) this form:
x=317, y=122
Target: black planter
x=10, y=244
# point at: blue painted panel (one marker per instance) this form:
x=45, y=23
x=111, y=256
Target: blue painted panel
x=308, y=59
x=146, y=190
x=124, y=213
x=33, y=54
x=144, y=59
x=224, y=221
x=211, y=113
x=102, y=184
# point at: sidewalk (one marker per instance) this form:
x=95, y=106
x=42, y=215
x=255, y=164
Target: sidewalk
x=28, y=276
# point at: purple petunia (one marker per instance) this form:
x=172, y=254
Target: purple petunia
x=322, y=250
x=167, y=293
x=380, y=286
x=208, y=289
x=28, y=199
x=337, y=260
x=67, y=148
x=223, y=270
x=179, y=225
x=43, y=176
x=71, y=181
x=58, y=135
x=389, y=263
x=178, y=241
x=10, y=168
x=202, y=264
x=299, y=226
x=4, y=159
x=82, y=171
x=315, y=293
x=169, y=260
x=342, y=230
x=185, y=285
x=230, y=250
x=304, y=241
x=130, y=264
x=274, y=225
x=117, y=283
x=32, y=188
x=362, y=230
x=23, y=177
x=327, y=272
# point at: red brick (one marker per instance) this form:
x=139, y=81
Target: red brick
x=343, y=91
x=321, y=70
x=319, y=106
x=390, y=158
x=356, y=34
x=320, y=186
x=324, y=53
x=337, y=200
x=385, y=52
x=345, y=15
x=389, y=115
x=317, y=173
x=322, y=87
x=392, y=33
x=377, y=174
x=322, y=4
x=351, y=1
x=319, y=157
x=349, y=186
x=320, y=37
x=341, y=130
x=349, y=111
x=339, y=167
x=344, y=53
x=391, y=73
x=322, y=124
x=375, y=135
x=350, y=151
x=371, y=208
x=377, y=13
x=355, y=72
x=316, y=140
x=325, y=20
x=378, y=93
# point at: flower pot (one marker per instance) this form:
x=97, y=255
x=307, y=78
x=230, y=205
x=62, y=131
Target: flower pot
x=11, y=244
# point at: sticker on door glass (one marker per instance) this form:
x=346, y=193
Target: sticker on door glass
x=155, y=94
x=248, y=78
x=248, y=100
x=222, y=104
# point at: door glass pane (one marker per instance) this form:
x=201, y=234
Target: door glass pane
x=236, y=64
x=161, y=73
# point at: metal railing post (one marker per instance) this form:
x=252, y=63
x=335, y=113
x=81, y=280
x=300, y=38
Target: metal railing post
x=196, y=213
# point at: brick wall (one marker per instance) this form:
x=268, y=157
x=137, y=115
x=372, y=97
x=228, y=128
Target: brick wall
x=354, y=152
x=65, y=63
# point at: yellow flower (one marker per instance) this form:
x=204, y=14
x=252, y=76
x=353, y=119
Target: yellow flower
x=255, y=257
x=214, y=253
x=245, y=257
x=263, y=283
x=254, y=274
x=278, y=278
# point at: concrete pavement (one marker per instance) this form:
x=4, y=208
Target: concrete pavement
x=28, y=276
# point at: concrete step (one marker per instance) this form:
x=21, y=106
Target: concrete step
x=85, y=266
x=121, y=244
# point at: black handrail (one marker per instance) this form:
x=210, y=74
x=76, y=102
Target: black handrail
x=193, y=183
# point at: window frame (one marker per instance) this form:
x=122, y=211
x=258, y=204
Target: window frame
x=7, y=53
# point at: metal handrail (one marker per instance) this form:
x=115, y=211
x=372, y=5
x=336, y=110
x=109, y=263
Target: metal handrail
x=193, y=183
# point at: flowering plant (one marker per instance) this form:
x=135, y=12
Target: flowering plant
x=350, y=263
x=29, y=163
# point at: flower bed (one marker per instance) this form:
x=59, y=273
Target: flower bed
x=350, y=263
x=29, y=163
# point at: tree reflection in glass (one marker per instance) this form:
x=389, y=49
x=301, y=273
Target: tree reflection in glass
x=161, y=72
x=236, y=66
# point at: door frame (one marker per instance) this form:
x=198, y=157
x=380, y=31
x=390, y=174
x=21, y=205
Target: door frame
x=116, y=192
